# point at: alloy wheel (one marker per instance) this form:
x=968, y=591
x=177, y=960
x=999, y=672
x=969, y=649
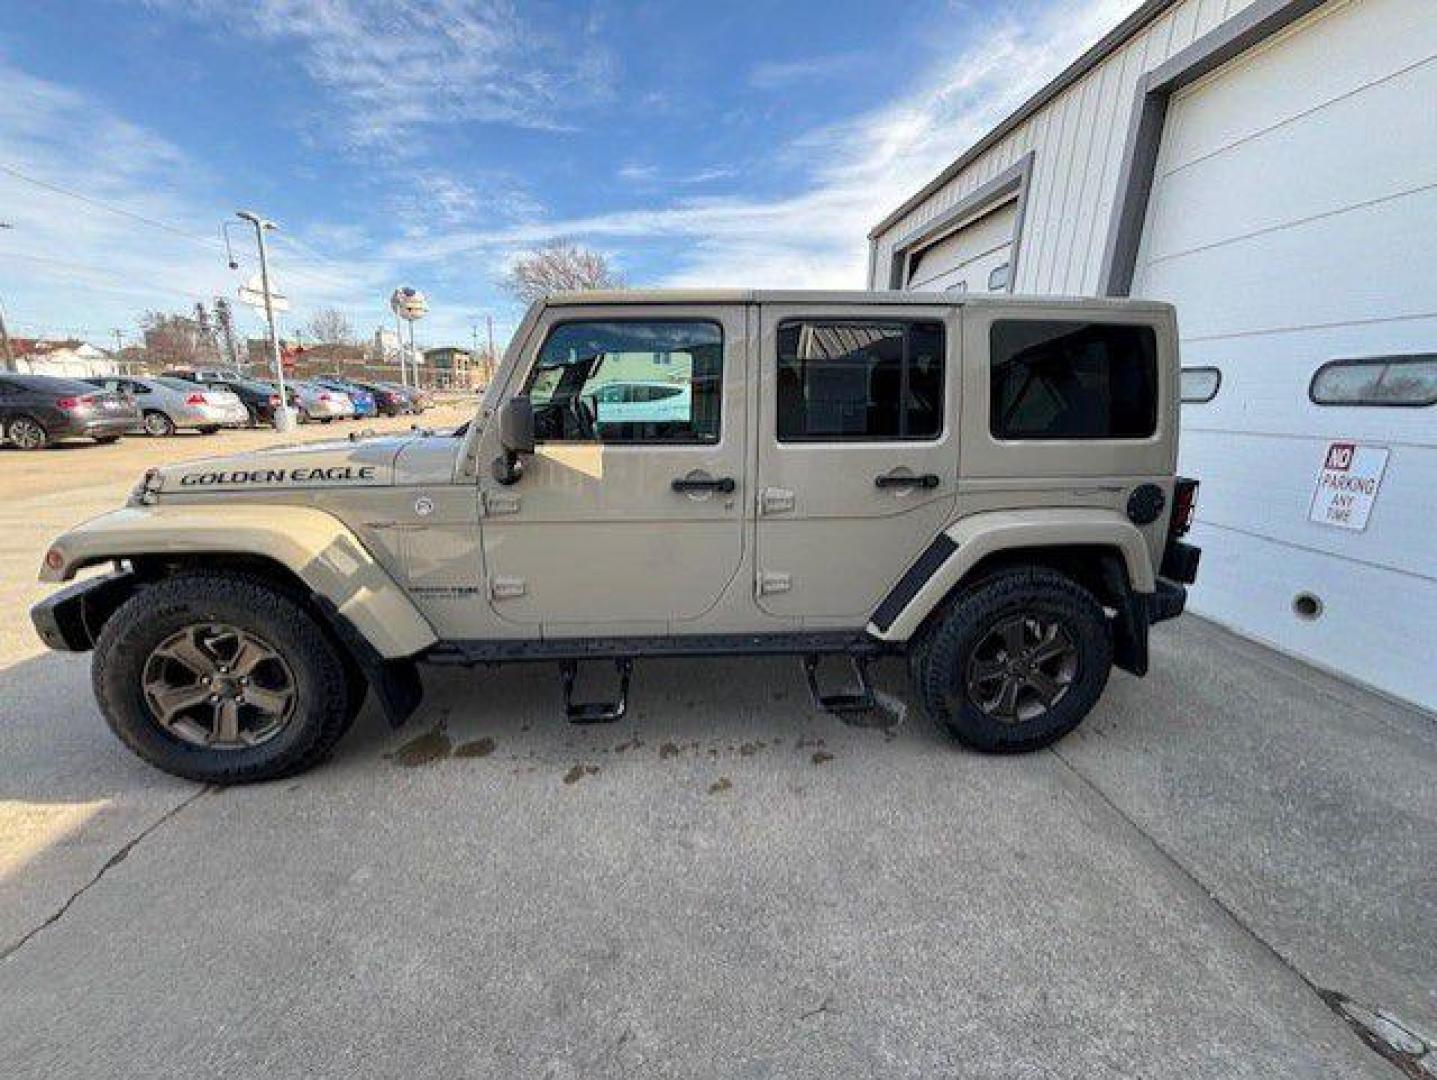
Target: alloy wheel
x=27, y=434
x=220, y=687
x=1021, y=668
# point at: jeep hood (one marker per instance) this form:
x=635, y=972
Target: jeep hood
x=336, y=463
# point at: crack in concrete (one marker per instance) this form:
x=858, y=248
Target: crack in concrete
x=1331, y=999
x=110, y=863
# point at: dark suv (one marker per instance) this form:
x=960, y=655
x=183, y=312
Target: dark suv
x=37, y=410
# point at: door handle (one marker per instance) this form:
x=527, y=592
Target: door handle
x=724, y=484
x=903, y=480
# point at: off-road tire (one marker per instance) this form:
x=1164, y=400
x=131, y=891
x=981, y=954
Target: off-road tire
x=324, y=709
x=939, y=664
x=33, y=433
x=158, y=424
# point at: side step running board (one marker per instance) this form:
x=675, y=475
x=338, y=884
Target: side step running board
x=857, y=700
x=595, y=712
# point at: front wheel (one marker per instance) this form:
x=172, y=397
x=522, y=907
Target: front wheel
x=28, y=433
x=221, y=678
x=1016, y=662
x=158, y=425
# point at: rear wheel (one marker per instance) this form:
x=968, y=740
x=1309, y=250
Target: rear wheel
x=27, y=433
x=158, y=424
x=221, y=678
x=1016, y=662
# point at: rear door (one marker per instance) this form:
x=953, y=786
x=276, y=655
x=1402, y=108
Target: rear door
x=628, y=518
x=857, y=452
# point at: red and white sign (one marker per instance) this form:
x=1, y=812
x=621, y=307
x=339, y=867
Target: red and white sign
x=1347, y=485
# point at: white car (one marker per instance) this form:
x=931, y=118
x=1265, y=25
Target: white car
x=320, y=403
x=168, y=404
x=643, y=403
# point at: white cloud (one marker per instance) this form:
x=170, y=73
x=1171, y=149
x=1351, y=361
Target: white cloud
x=393, y=66
x=776, y=74
x=857, y=170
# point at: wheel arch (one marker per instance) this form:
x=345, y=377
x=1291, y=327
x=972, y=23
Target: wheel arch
x=308, y=550
x=1100, y=550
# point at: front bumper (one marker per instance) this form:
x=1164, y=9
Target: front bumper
x=213, y=416
x=70, y=620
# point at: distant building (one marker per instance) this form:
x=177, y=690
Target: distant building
x=384, y=345
x=69, y=359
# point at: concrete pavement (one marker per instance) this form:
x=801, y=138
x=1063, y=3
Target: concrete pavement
x=726, y=884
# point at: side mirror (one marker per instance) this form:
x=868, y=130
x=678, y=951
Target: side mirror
x=516, y=436
x=516, y=425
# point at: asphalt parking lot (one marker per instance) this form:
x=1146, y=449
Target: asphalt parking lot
x=725, y=884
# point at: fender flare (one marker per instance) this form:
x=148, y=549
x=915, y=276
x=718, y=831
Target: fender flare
x=962, y=545
x=315, y=546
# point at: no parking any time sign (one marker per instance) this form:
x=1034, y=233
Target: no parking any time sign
x=1348, y=484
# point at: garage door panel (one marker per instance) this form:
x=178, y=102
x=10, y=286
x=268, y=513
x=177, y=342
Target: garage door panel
x=1358, y=43
x=1279, y=474
x=1265, y=379
x=1370, y=627
x=968, y=254
x=1369, y=146
x=1366, y=264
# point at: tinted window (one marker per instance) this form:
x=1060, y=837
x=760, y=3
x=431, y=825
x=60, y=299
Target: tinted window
x=1073, y=380
x=859, y=380
x=1377, y=380
x=1200, y=384
x=629, y=382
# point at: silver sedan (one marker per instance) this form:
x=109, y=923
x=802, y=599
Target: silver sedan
x=168, y=404
x=320, y=403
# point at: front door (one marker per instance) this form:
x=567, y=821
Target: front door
x=858, y=453
x=628, y=518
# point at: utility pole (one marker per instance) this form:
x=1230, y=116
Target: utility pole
x=493, y=360
x=399, y=349
x=5, y=334
x=283, y=418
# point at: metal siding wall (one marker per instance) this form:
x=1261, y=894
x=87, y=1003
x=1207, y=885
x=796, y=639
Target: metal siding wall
x=1079, y=138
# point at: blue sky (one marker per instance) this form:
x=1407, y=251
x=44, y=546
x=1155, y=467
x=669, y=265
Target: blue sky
x=741, y=143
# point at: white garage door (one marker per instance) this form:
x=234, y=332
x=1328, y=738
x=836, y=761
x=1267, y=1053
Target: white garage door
x=1294, y=222
x=973, y=259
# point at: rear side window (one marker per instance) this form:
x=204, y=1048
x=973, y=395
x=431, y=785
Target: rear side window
x=1054, y=379
x=850, y=380
x=1377, y=380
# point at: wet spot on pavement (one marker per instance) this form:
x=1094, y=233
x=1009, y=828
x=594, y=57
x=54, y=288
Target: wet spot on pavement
x=578, y=772
x=424, y=749
x=475, y=748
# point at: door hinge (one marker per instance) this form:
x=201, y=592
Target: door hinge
x=500, y=502
x=772, y=500
x=507, y=588
x=770, y=582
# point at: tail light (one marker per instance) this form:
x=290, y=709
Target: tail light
x=68, y=403
x=324, y=397
x=274, y=399
x=1184, y=505
x=196, y=399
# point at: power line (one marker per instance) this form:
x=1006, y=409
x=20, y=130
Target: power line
x=164, y=226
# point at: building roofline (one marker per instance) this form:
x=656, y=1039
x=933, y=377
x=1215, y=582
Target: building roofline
x=1108, y=44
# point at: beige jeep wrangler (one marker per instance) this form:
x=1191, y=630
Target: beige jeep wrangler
x=984, y=485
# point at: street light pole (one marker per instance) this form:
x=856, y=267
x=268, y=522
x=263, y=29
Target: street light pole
x=283, y=418
x=399, y=349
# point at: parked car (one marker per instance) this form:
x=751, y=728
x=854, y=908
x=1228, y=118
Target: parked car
x=261, y=400
x=388, y=401
x=169, y=404
x=320, y=403
x=641, y=402
x=359, y=397
x=37, y=410
x=810, y=503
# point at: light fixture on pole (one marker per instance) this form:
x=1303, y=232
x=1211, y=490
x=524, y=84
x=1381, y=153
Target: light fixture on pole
x=283, y=416
x=410, y=305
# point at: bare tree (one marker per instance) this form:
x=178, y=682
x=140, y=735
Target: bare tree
x=225, y=327
x=330, y=326
x=559, y=266
x=174, y=339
